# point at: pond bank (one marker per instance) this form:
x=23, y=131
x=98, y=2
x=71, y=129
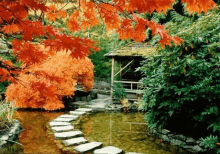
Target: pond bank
x=10, y=135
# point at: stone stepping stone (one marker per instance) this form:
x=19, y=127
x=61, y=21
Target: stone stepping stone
x=134, y=153
x=84, y=109
x=64, y=119
x=68, y=116
x=57, y=123
x=78, y=113
x=74, y=141
x=108, y=150
x=87, y=146
x=78, y=103
x=62, y=128
x=64, y=135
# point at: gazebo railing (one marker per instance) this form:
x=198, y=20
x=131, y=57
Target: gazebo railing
x=135, y=87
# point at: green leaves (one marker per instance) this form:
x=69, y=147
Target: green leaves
x=216, y=126
x=119, y=92
x=210, y=141
x=182, y=83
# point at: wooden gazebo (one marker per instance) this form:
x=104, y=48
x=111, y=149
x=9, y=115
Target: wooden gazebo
x=129, y=58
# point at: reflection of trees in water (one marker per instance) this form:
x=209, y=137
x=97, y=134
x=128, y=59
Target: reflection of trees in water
x=35, y=137
x=113, y=133
x=88, y=126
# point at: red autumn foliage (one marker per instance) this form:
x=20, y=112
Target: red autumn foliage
x=43, y=85
x=40, y=82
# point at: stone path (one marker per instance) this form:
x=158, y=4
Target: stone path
x=108, y=150
x=101, y=103
x=64, y=130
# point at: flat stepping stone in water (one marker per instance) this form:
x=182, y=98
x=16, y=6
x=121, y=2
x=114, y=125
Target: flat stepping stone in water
x=87, y=146
x=78, y=113
x=134, y=153
x=74, y=141
x=64, y=135
x=84, y=109
x=108, y=150
x=63, y=128
x=57, y=123
x=64, y=119
x=68, y=116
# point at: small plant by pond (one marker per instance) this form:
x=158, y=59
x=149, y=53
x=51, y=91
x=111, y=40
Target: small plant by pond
x=119, y=92
x=9, y=129
x=6, y=115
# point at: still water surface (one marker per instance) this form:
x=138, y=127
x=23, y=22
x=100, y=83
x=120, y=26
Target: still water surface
x=35, y=138
x=126, y=131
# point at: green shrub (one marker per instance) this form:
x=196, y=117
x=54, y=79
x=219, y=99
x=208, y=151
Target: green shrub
x=119, y=92
x=182, y=83
x=211, y=143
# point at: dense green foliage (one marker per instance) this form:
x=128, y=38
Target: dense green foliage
x=183, y=82
x=210, y=142
x=119, y=92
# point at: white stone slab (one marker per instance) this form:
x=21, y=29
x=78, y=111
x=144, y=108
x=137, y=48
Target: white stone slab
x=57, y=123
x=63, y=128
x=134, y=153
x=74, y=141
x=87, y=146
x=78, y=113
x=108, y=150
x=64, y=119
x=64, y=135
x=68, y=116
x=84, y=109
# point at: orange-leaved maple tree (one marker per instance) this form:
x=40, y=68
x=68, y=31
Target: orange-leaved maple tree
x=52, y=59
x=46, y=83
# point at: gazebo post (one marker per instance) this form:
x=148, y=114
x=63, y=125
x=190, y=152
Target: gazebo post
x=112, y=75
x=120, y=70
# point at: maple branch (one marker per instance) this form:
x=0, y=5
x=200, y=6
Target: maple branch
x=35, y=14
x=40, y=15
x=102, y=1
x=9, y=11
x=18, y=80
x=8, y=67
x=65, y=5
x=12, y=13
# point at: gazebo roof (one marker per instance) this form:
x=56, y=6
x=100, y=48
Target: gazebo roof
x=133, y=50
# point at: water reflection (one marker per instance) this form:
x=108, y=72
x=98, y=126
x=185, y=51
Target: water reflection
x=126, y=131
x=35, y=138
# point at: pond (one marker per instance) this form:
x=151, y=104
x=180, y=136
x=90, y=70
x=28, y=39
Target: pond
x=127, y=131
x=35, y=138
